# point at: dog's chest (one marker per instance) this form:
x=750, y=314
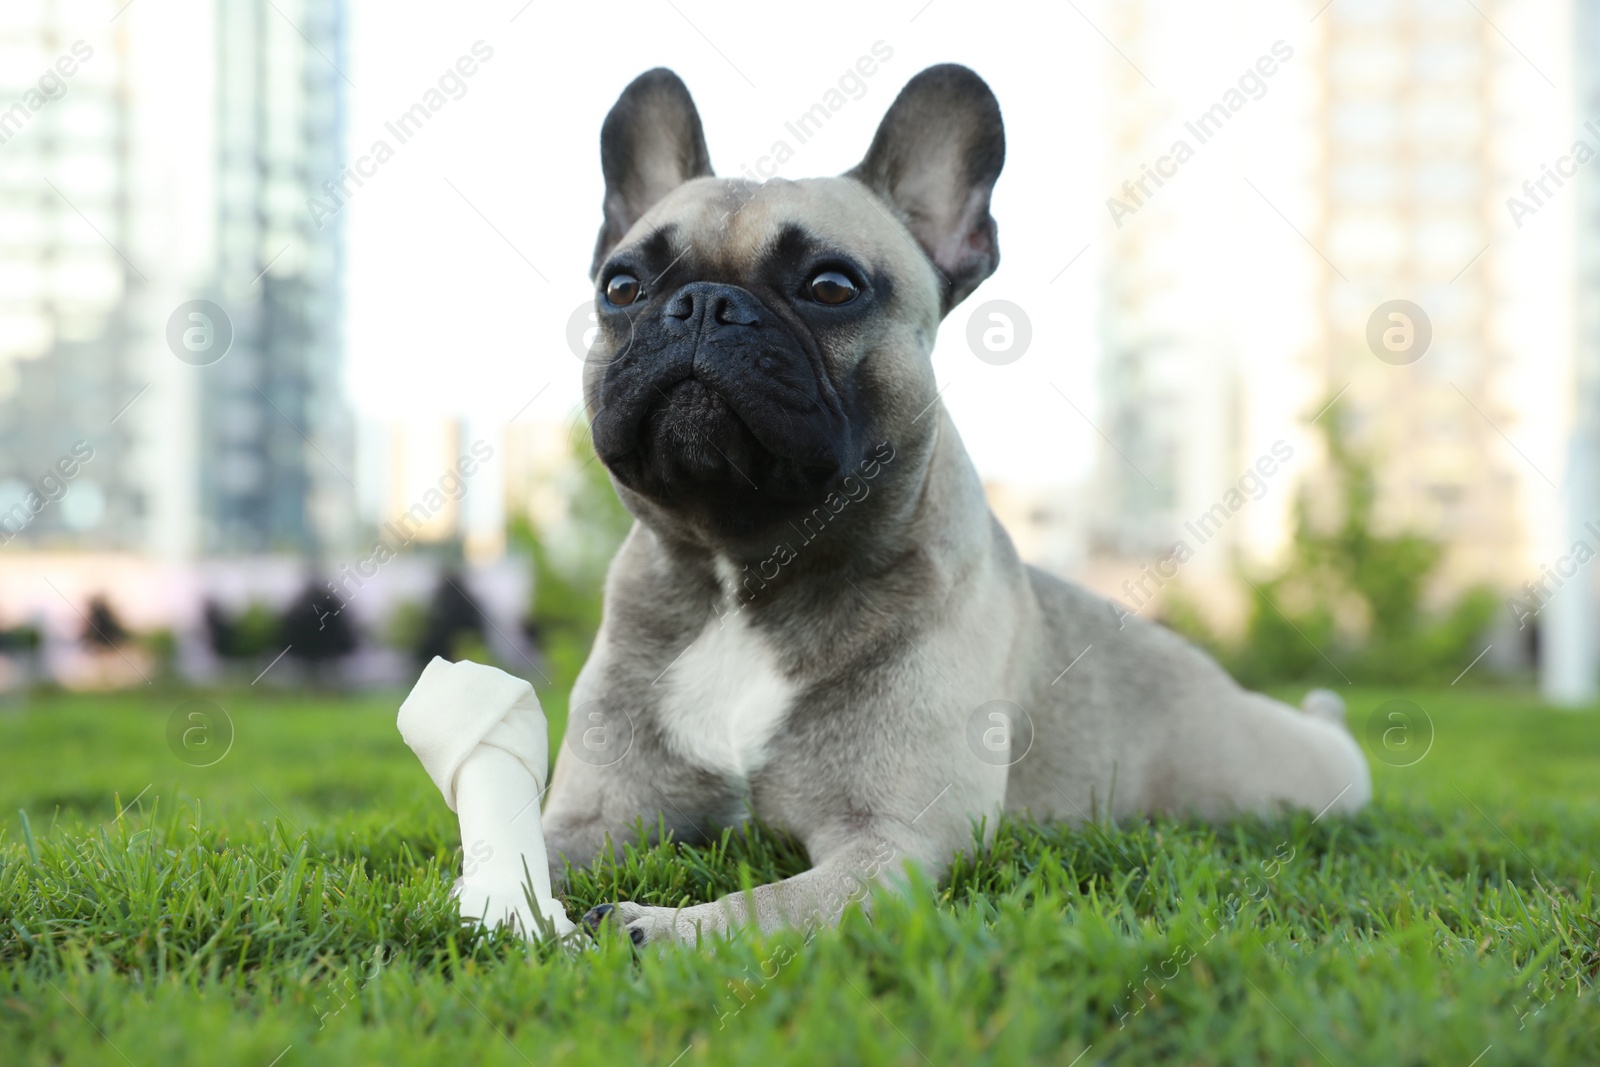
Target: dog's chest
x=725, y=699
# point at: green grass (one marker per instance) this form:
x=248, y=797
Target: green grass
x=291, y=901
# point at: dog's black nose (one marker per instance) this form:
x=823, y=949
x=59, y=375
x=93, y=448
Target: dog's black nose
x=724, y=305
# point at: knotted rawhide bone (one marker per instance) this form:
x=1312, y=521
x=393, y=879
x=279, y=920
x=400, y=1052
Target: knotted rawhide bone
x=481, y=735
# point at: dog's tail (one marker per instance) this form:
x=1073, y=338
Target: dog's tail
x=1326, y=705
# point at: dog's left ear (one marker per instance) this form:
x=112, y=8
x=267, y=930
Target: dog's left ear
x=650, y=144
x=935, y=159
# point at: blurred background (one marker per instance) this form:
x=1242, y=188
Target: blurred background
x=1293, y=345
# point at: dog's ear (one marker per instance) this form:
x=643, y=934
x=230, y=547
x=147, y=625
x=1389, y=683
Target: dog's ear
x=650, y=144
x=935, y=159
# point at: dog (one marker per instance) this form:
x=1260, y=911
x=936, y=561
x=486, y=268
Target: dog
x=815, y=617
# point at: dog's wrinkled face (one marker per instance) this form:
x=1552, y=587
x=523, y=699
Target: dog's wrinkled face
x=756, y=340
x=731, y=377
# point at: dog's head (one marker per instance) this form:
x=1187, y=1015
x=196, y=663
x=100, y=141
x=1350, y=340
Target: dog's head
x=758, y=339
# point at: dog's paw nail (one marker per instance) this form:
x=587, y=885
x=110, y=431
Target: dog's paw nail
x=636, y=935
x=595, y=915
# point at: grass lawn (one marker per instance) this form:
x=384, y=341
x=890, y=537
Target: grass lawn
x=288, y=905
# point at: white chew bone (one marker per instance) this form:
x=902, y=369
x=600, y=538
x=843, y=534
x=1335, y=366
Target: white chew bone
x=481, y=736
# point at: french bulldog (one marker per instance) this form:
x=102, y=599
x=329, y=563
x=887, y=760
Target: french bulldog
x=815, y=618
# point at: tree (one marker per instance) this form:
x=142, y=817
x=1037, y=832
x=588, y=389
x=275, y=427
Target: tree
x=103, y=628
x=453, y=620
x=250, y=633
x=1349, y=603
x=314, y=627
x=25, y=639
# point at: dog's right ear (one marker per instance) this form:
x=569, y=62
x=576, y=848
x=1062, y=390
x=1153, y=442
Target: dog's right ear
x=650, y=144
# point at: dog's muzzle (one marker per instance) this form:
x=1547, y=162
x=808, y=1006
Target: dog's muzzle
x=713, y=387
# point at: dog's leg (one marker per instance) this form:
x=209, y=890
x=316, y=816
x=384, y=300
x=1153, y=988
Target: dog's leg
x=815, y=897
x=594, y=809
x=1250, y=753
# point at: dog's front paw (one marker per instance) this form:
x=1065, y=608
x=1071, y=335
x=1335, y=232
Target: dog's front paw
x=643, y=924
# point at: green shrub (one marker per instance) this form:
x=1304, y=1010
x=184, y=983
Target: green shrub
x=1340, y=568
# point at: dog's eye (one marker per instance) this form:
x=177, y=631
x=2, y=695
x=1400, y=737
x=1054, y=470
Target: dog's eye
x=622, y=290
x=831, y=287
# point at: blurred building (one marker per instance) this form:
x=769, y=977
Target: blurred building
x=277, y=440
x=1170, y=381
x=1569, y=634
x=1147, y=366
x=66, y=289
x=251, y=453
x=1045, y=525
x=1394, y=194
x=439, y=483
x=1409, y=113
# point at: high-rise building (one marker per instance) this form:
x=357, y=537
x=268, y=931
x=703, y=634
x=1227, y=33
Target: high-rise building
x=1168, y=379
x=252, y=452
x=277, y=441
x=1381, y=177
x=66, y=286
x=1142, y=342
x=1410, y=121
